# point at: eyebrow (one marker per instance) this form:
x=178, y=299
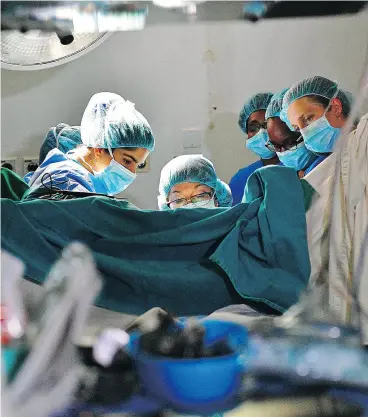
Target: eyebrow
x=130, y=156
x=197, y=186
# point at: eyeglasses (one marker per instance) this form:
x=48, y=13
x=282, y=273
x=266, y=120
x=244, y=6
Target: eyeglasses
x=255, y=127
x=289, y=144
x=200, y=200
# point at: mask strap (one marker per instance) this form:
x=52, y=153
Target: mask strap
x=106, y=118
x=58, y=135
x=334, y=96
x=87, y=164
x=110, y=151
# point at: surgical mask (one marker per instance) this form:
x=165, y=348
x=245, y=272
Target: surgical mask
x=115, y=177
x=257, y=144
x=298, y=158
x=210, y=205
x=320, y=136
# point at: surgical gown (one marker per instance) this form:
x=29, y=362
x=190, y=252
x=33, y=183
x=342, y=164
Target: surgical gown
x=60, y=171
x=27, y=177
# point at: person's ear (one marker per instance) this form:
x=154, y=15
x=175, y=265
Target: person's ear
x=97, y=152
x=336, y=107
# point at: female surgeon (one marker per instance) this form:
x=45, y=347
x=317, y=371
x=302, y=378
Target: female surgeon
x=190, y=181
x=116, y=139
x=288, y=144
x=252, y=122
x=318, y=109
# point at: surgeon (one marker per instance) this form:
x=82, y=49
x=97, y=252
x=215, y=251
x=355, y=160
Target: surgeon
x=62, y=137
x=318, y=109
x=116, y=139
x=288, y=144
x=190, y=181
x=253, y=123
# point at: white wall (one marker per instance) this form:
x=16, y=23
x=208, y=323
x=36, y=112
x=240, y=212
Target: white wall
x=176, y=75
x=270, y=56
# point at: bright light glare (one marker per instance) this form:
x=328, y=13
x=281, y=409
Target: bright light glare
x=14, y=328
x=108, y=344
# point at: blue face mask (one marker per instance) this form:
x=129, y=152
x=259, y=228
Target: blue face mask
x=298, y=158
x=257, y=144
x=320, y=136
x=114, y=178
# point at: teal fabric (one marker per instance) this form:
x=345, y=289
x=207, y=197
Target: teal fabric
x=186, y=261
x=12, y=185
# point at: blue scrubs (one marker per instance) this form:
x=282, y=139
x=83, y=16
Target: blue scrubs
x=315, y=163
x=60, y=171
x=239, y=180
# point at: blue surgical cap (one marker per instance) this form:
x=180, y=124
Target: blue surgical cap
x=275, y=106
x=317, y=86
x=63, y=137
x=111, y=122
x=192, y=168
x=257, y=102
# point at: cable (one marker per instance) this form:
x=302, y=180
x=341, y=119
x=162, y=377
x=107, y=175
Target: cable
x=50, y=185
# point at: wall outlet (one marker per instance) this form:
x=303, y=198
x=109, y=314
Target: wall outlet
x=15, y=162
x=29, y=164
x=9, y=163
x=144, y=168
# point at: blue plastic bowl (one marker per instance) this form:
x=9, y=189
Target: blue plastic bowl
x=194, y=384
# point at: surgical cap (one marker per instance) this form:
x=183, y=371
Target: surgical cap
x=111, y=122
x=63, y=137
x=257, y=102
x=192, y=168
x=347, y=101
x=317, y=86
x=275, y=106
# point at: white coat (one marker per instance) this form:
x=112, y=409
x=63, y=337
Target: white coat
x=337, y=227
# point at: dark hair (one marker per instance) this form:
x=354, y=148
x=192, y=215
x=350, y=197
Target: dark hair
x=127, y=148
x=346, y=106
x=323, y=101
